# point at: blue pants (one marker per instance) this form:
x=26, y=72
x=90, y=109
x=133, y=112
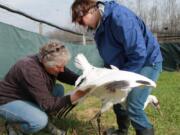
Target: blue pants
x=28, y=115
x=136, y=99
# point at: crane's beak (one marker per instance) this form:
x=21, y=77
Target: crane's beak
x=157, y=106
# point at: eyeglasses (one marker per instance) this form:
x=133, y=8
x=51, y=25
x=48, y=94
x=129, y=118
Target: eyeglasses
x=79, y=19
x=81, y=14
x=56, y=49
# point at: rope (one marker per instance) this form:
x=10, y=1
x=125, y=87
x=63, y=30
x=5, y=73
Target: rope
x=38, y=20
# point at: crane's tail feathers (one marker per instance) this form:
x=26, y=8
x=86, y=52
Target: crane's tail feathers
x=146, y=83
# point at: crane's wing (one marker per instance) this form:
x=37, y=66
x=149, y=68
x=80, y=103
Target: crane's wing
x=106, y=105
x=117, y=85
x=85, y=89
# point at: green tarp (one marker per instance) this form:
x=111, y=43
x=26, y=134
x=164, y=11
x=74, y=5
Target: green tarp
x=16, y=43
x=89, y=51
x=171, y=56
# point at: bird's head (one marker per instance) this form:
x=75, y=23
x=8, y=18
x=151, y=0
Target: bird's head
x=154, y=102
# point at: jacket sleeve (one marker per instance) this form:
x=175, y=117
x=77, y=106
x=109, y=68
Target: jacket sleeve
x=68, y=76
x=126, y=31
x=34, y=83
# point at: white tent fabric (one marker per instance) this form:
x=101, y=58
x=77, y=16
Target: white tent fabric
x=53, y=11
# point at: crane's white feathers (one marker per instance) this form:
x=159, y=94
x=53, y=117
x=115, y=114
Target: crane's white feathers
x=81, y=62
x=111, y=86
x=114, y=67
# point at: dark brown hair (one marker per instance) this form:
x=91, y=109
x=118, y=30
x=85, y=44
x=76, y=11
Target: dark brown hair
x=80, y=8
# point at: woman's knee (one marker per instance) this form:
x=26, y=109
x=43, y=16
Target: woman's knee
x=42, y=121
x=134, y=107
x=36, y=124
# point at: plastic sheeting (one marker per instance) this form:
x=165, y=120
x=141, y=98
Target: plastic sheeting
x=16, y=43
x=89, y=51
x=171, y=56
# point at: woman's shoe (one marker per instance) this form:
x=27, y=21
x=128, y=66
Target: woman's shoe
x=54, y=130
x=10, y=130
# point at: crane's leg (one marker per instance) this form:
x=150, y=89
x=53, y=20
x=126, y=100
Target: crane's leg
x=99, y=123
x=98, y=120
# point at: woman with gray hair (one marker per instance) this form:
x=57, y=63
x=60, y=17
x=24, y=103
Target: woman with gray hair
x=28, y=91
x=54, y=54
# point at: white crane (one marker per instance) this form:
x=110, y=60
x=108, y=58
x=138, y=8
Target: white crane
x=111, y=86
x=154, y=102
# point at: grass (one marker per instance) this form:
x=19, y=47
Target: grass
x=168, y=93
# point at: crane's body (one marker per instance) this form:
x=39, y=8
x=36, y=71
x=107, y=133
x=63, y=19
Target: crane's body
x=111, y=86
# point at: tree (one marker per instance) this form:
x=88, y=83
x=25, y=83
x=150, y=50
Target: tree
x=153, y=17
x=171, y=8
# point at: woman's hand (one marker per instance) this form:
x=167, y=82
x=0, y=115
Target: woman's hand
x=79, y=93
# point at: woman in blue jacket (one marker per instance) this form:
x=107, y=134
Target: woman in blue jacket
x=123, y=40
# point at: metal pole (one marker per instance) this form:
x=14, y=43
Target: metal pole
x=84, y=39
x=38, y=20
x=40, y=28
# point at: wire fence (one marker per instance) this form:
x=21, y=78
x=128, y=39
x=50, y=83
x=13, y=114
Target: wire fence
x=168, y=37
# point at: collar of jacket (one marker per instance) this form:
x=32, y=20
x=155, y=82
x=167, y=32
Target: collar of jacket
x=108, y=6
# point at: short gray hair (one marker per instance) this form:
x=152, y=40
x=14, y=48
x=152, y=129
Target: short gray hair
x=53, y=50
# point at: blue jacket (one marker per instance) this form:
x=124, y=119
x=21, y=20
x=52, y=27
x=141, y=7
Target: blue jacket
x=124, y=41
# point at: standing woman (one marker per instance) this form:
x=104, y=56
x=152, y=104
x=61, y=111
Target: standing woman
x=123, y=40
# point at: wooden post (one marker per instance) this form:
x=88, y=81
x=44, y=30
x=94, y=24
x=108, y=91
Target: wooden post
x=84, y=39
x=40, y=28
x=155, y=35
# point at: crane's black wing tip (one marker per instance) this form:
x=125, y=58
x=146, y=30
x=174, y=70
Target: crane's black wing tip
x=143, y=82
x=112, y=86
